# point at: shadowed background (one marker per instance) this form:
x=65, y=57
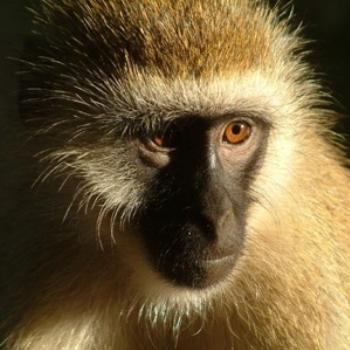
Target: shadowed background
x=327, y=23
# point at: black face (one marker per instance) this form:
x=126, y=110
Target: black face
x=193, y=223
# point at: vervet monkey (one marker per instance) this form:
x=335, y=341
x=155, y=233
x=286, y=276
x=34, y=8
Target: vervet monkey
x=183, y=188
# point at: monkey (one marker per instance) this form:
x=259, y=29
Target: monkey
x=182, y=185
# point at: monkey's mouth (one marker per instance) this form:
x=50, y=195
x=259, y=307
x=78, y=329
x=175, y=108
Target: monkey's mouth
x=216, y=261
x=198, y=272
x=187, y=255
x=218, y=269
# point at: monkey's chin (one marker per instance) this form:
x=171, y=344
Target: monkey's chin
x=204, y=275
x=201, y=275
x=216, y=271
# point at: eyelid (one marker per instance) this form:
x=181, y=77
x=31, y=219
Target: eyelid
x=248, y=117
x=153, y=147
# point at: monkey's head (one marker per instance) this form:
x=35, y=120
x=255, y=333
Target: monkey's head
x=177, y=120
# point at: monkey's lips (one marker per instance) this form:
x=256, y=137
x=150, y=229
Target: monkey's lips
x=201, y=273
x=212, y=269
x=217, y=260
x=218, y=268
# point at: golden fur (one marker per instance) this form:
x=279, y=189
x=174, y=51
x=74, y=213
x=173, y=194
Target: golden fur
x=290, y=289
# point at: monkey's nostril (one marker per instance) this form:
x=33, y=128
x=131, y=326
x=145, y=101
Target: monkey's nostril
x=189, y=233
x=201, y=224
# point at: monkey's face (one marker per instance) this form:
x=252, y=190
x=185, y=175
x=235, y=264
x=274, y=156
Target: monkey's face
x=162, y=111
x=197, y=172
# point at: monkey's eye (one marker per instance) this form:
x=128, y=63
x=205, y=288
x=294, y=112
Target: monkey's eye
x=160, y=141
x=168, y=140
x=236, y=132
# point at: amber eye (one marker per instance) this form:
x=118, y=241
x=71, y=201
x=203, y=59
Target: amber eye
x=159, y=141
x=168, y=140
x=162, y=142
x=237, y=132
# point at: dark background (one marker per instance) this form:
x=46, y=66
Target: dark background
x=326, y=22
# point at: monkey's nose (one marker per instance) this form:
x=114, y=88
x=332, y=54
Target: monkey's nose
x=221, y=231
